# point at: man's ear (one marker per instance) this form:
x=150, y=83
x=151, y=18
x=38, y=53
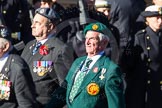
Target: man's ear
x=51, y=27
x=7, y=46
x=104, y=43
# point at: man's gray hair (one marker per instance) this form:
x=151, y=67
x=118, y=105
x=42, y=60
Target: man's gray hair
x=103, y=37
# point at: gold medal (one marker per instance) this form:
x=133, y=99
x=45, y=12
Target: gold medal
x=93, y=89
x=41, y=73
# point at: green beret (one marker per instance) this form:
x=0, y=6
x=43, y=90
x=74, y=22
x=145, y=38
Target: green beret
x=98, y=27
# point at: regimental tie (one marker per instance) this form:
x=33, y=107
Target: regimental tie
x=79, y=80
x=38, y=44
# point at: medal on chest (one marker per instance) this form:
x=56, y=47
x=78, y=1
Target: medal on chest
x=42, y=67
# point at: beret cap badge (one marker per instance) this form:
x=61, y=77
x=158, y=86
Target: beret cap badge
x=42, y=11
x=95, y=27
x=160, y=10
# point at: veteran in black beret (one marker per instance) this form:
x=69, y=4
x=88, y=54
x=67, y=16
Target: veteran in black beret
x=49, y=59
x=16, y=86
x=93, y=81
x=144, y=63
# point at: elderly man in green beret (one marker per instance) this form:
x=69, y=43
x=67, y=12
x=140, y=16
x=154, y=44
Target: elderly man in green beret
x=93, y=81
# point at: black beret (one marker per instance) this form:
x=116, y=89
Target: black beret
x=48, y=13
x=152, y=11
x=46, y=0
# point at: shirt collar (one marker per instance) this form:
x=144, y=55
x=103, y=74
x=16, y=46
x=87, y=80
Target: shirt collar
x=4, y=56
x=49, y=36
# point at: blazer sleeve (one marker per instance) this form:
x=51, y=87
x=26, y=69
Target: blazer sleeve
x=114, y=88
x=63, y=62
x=23, y=88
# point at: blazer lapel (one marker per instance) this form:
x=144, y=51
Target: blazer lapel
x=38, y=56
x=95, y=70
x=73, y=74
x=6, y=67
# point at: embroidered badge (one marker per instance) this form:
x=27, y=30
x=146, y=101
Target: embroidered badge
x=160, y=10
x=93, y=89
x=102, y=74
x=95, y=27
x=44, y=50
x=42, y=67
x=42, y=11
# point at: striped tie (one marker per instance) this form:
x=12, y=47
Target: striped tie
x=38, y=44
x=79, y=80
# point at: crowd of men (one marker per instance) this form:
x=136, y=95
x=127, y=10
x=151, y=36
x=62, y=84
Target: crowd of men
x=99, y=54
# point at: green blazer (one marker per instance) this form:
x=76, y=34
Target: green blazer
x=102, y=87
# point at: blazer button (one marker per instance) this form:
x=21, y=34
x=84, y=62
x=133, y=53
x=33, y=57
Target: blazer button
x=148, y=70
x=148, y=48
x=161, y=85
x=148, y=37
x=148, y=82
x=149, y=60
x=160, y=82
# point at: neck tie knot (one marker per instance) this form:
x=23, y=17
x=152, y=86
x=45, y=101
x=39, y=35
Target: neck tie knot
x=38, y=44
x=89, y=61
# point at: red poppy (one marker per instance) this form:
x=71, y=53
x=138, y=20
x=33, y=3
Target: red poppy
x=43, y=50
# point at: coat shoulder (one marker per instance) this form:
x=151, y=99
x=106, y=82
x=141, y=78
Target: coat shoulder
x=17, y=60
x=140, y=33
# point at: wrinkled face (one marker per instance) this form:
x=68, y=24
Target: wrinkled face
x=106, y=11
x=40, y=27
x=157, y=2
x=92, y=43
x=54, y=0
x=4, y=46
x=1, y=52
x=155, y=22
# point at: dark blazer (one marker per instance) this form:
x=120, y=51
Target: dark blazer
x=61, y=56
x=18, y=73
x=144, y=77
x=95, y=91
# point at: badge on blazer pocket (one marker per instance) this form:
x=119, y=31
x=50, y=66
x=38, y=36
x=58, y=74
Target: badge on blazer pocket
x=93, y=89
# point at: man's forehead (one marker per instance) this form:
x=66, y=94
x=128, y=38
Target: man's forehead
x=39, y=17
x=92, y=33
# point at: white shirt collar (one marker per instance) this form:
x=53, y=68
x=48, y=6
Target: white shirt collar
x=3, y=61
x=49, y=36
x=95, y=58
